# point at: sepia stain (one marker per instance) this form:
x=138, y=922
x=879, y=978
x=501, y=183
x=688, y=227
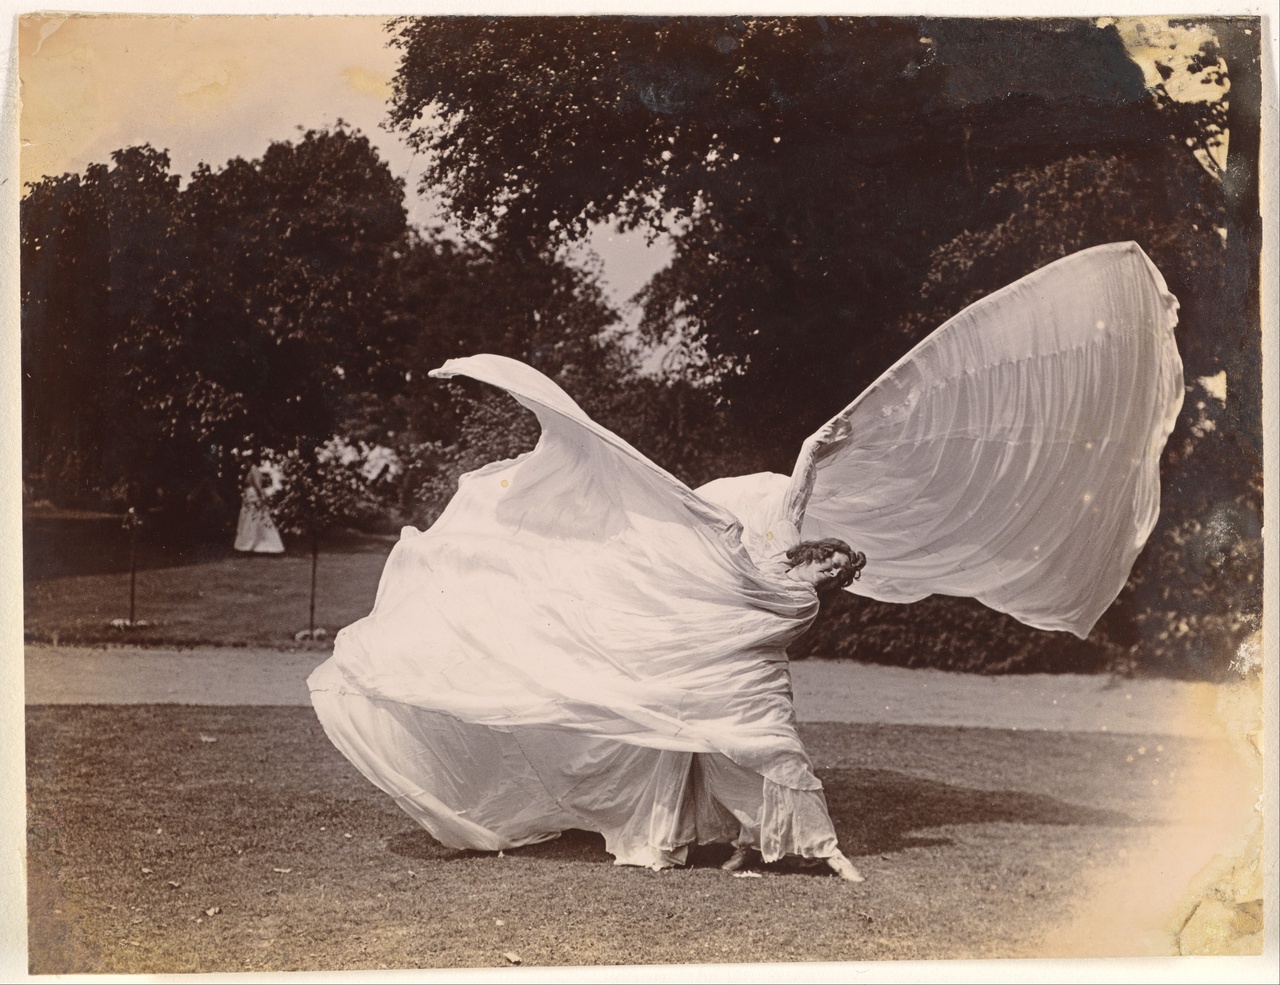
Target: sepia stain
x=63, y=107
x=367, y=83
x=1223, y=909
x=1196, y=886
x=45, y=28
x=208, y=88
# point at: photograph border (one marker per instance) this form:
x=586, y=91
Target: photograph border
x=13, y=958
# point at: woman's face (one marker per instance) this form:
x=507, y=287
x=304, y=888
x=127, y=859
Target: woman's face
x=822, y=574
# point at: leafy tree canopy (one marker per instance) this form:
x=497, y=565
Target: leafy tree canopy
x=269, y=303
x=275, y=303
x=806, y=168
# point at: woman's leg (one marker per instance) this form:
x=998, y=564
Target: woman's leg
x=842, y=867
x=743, y=856
x=773, y=820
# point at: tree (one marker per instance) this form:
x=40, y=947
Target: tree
x=323, y=489
x=93, y=247
x=1195, y=593
x=835, y=189
x=492, y=297
x=805, y=168
x=164, y=328
x=286, y=300
x=277, y=311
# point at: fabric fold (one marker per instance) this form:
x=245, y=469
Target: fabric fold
x=583, y=641
x=570, y=634
x=1013, y=456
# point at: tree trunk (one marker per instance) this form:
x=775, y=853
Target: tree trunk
x=1239, y=40
x=133, y=569
x=315, y=561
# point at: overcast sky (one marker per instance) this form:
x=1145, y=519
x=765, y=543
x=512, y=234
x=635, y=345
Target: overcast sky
x=205, y=88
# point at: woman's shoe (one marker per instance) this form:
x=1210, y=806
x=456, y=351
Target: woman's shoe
x=842, y=867
x=739, y=859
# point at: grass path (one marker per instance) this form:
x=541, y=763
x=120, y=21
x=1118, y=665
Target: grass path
x=825, y=690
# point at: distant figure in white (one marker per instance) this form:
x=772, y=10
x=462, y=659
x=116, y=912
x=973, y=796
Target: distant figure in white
x=256, y=532
x=583, y=641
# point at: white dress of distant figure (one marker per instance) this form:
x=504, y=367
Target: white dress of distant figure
x=256, y=532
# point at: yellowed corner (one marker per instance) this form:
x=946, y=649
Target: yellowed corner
x=1194, y=885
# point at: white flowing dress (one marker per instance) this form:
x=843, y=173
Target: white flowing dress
x=256, y=532
x=582, y=641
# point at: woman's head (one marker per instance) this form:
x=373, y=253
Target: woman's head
x=826, y=564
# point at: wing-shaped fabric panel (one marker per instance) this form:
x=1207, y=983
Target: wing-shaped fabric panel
x=1013, y=456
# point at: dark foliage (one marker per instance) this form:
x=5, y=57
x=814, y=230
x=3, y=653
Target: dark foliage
x=93, y=249
x=837, y=188
x=806, y=167
x=834, y=189
x=164, y=329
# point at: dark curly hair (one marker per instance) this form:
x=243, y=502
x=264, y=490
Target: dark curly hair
x=828, y=547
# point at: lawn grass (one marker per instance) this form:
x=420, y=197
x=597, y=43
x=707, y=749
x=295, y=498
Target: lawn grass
x=77, y=582
x=168, y=839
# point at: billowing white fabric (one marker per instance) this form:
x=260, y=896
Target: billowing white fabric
x=1013, y=456
x=562, y=641
x=581, y=641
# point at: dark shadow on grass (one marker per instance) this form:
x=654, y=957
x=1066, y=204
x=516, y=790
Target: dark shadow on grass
x=876, y=812
x=572, y=845
x=60, y=547
x=581, y=847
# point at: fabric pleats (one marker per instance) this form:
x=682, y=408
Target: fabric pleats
x=582, y=641
x=1013, y=456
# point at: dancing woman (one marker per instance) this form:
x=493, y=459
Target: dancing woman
x=583, y=641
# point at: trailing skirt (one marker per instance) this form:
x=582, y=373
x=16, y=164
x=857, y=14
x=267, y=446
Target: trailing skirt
x=579, y=641
x=582, y=641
